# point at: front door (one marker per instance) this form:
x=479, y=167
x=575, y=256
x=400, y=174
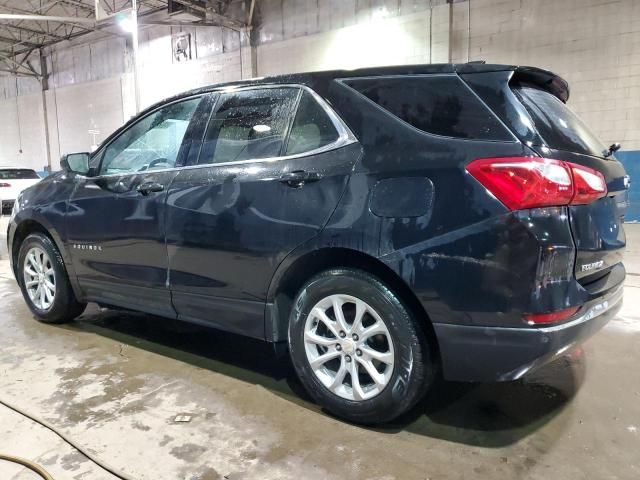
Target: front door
x=115, y=219
x=271, y=170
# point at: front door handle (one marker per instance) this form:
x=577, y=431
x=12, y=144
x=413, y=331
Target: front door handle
x=148, y=187
x=298, y=178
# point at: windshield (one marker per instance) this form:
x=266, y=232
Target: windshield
x=560, y=128
x=18, y=174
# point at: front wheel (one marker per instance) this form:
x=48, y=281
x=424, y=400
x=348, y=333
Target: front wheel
x=44, y=282
x=356, y=347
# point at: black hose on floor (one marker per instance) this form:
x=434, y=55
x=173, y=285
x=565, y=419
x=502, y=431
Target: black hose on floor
x=39, y=470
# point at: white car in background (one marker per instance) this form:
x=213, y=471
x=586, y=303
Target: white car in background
x=14, y=180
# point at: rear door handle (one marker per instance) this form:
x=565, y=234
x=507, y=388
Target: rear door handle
x=297, y=178
x=148, y=187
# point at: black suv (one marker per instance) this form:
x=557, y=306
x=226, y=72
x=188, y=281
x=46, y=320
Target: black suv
x=384, y=224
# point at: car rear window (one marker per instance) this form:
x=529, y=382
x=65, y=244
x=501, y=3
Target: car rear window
x=18, y=174
x=440, y=105
x=557, y=125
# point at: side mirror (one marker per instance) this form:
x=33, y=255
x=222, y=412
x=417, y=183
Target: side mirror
x=75, y=162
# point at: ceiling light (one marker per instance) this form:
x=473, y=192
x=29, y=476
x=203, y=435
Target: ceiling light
x=126, y=23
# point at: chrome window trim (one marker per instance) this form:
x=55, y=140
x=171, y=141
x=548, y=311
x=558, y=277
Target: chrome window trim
x=345, y=136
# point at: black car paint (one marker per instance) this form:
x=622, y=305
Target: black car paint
x=473, y=266
x=244, y=220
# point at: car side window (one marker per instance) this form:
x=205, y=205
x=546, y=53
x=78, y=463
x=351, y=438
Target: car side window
x=312, y=128
x=249, y=124
x=152, y=143
x=438, y=104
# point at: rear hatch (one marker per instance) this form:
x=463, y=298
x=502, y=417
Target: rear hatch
x=532, y=103
x=596, y=227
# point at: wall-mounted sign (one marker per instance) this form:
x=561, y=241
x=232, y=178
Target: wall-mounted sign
x=181, y=43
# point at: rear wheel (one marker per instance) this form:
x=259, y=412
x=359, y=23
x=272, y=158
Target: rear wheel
x=44, y=281
x=356, y=347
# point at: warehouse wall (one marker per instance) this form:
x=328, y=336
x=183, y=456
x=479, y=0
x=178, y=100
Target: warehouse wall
x=397, y=40
x=595, y=44
x=91, y=89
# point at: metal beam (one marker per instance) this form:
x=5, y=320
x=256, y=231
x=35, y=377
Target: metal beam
x=78, y=4
x=44, y=86
x=46, y=18
x=250, y=17
x=225, y=21
x=19, y=74
x=178, y=23
x=41, y=33
x=134, y=43
x=213, y=18
x=14, y=41
x=89, y=24
x=18, y=66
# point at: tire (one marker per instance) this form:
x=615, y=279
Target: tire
x=401, y=384
x=60, y=304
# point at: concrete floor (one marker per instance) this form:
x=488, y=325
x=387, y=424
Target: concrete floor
x=115, y=382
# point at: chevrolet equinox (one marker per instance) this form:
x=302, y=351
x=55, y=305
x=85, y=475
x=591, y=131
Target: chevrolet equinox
x=382, y=224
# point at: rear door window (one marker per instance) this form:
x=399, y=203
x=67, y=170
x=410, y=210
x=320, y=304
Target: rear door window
x=248, y=125
x=438, y=104
x=312, y=128
x=559, y=127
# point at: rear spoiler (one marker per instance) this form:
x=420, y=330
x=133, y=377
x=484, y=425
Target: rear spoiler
x=545, y=79
x=538, y=77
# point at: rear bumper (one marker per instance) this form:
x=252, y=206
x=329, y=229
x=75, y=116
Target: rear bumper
x=490, y=354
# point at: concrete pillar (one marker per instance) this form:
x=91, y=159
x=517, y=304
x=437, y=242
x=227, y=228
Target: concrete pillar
x=248, y=55
x=44, y=83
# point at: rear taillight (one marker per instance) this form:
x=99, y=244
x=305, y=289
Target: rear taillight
x=5, y=185
x=551, y=317
x=588, y=184
x=529, y=182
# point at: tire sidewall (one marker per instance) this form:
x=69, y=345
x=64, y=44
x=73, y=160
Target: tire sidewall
x=59, y=306
x=409, y=353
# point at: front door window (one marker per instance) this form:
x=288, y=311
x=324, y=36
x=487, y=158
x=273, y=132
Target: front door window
x=152, y=143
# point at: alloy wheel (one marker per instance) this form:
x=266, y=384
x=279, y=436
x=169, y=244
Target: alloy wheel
x=39, y=278
x=349, y=347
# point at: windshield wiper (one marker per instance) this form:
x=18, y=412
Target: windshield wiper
x=613, y=148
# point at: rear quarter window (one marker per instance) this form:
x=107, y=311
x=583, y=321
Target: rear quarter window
x=440, y=105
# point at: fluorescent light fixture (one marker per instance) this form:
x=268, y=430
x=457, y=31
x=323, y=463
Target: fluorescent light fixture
x=262, y=128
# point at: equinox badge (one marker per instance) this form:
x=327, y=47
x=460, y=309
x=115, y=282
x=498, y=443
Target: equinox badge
x=592, y=266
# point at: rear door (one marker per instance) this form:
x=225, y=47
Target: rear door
x=273, y=165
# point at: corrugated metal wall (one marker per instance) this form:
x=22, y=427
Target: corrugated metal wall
x=285, y=19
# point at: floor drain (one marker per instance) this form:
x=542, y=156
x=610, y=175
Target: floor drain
x=182, y=418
